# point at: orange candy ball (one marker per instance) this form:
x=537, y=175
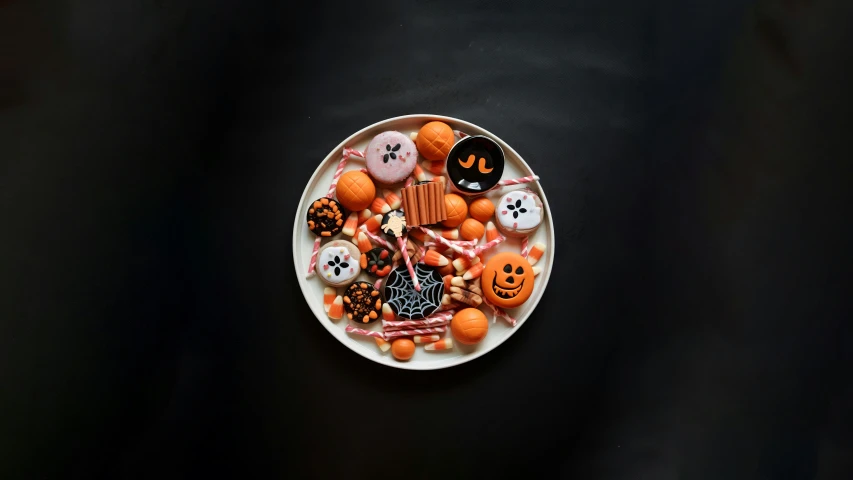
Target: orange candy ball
x=482, y=209
x=469, y=326
x=472, y=230
x=355, y=190
x=435, y=139
x=457, y=210
x=402, y=348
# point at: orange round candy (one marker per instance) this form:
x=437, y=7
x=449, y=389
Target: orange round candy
x=472, y=229
x=507, y=280
x=435, y=139
x=402, y=348
x=457, y=210
x=482, y=209
x=355, y=190
x=469, y=326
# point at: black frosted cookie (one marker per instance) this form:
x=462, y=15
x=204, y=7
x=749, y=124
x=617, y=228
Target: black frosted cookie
x=376, y=262
x=475, y=165
x=326, y=217
x=362, y=302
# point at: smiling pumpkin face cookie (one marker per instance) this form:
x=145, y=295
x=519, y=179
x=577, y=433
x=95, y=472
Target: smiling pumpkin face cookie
x=507, y=280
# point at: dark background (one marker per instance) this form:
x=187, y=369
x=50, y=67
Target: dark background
x=696, y=158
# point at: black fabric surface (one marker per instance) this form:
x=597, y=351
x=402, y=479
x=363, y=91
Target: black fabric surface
x=695, y=156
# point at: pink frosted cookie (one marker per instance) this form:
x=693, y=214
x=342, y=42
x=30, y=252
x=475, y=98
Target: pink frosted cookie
x=519, y=213
x=391, y=157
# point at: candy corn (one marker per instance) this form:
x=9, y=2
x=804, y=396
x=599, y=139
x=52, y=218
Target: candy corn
x=350, y=225
x=362, y=242
x=383, y=345
x=450, y=233
x=419, y=174
x=537, y=270
x=448, y=281
x=387, y=313
x=435, y=259
x=392, y=199
x=474, y=272
x=536, y=252
x=372, y=224
x=446, y=299
x=436, y=167
x=329, y=295
x=491, y=232
x=444, y=344
x=413, y=136
x=364, y=215
x=379, y=206
x=426, y=338
x=336, y=311
x=446, y=270
x=417, y=234
x=464, y=263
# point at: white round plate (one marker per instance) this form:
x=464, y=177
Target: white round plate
x=312, y=288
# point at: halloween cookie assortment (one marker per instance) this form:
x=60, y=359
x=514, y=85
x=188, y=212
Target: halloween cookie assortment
x=417, y=256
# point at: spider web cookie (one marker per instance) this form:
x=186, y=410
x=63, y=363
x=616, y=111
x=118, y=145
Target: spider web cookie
x=405, y=301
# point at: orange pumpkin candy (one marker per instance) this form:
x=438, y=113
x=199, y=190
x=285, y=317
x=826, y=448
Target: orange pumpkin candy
x=403, y=349
x=472, y=230
x=507, y=280
x=434, y=141
x=481, y=209
x=469, y=326
x=355, y=190
x=457, y=210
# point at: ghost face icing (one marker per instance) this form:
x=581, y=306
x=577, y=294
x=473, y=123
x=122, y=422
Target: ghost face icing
x=337, y=265
x=519, y=210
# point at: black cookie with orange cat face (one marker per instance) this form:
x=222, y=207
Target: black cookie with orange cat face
x=362, y=302
x=475, y=165
x=326, y=217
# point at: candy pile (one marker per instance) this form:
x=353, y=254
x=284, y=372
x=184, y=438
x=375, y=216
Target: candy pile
x=422, y=244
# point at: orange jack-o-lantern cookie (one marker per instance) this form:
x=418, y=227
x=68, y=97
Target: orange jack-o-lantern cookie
x=435, y=139
x=469, y=326
x=457, y=210
x=355, y=190
x=507, y=280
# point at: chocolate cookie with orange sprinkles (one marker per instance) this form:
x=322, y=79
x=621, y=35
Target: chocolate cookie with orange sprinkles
x=326, y=217
x=362, y=302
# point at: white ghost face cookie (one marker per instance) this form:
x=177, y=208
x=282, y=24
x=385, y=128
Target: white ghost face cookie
x=337, y=263
x=519, y=213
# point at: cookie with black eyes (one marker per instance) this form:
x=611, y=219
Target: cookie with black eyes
x=519, y=213
x=475, y=165
x=507, y=280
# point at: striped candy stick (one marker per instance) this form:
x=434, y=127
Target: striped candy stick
x=377, y=239
x=313, y=261
x=482, y=248
x=402, y=244
x=347, y=153
x=524, y=249
x=518, y=181
x=366, y=333
x=416, y=331
x=438, y=238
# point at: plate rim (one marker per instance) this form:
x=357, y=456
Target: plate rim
x=336, y=332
